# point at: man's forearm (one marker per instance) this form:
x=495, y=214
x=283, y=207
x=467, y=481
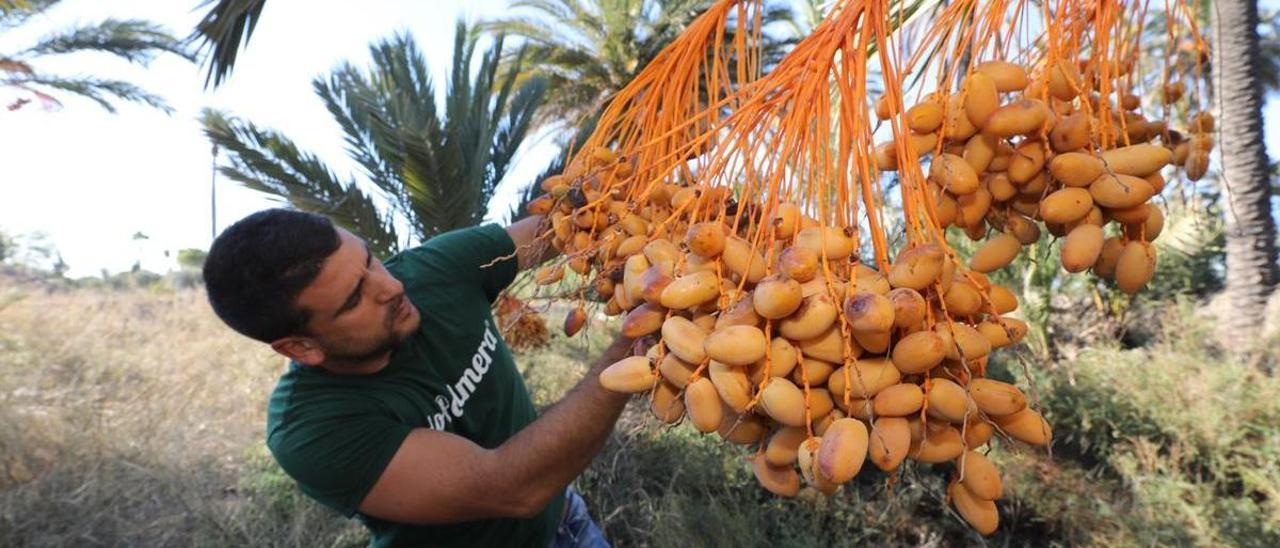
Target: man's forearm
x=545, y=456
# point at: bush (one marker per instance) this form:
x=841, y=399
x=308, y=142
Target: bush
x=1183, y=437
x=1169, y=444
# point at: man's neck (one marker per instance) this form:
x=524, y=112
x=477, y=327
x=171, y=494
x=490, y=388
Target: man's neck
x=367, y=366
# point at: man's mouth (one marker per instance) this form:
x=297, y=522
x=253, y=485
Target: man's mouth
x=402, y=309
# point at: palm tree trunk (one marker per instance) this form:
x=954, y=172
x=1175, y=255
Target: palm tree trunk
x=1251, y=232
x=213, y=194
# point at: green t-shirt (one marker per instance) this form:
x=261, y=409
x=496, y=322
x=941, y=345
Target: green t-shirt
x=335, y=434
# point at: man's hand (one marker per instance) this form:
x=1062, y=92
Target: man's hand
x=530, y=251
x=439, y=477
x=622, y=347
x=639, y=347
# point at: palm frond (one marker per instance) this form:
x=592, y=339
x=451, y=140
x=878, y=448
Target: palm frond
x=530, y=29
x=221, y=31
x=1192, y=254
x=270, y=163
x=17, y=12
x=558, y=9
x=515, y=127
x=804, y=17
x=588, y=49
x=353, y=105
x=134, y=40
x=437, y=165
x=98, y=90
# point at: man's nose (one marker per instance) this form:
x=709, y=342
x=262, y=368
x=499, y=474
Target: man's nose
x=389, y=288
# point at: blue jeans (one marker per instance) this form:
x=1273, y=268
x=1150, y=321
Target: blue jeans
x=577, y=530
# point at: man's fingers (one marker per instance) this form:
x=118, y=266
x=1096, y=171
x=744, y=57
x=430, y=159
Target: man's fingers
x=642, y=345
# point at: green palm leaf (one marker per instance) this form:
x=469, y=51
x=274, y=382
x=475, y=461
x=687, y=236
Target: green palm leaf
x=16, y=12
x=271, y=163
x=98, y=90
x=133, y=40
x=589, y=49
x=221, y=31
x=436, y=165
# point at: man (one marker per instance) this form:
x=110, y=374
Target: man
x=402, y=405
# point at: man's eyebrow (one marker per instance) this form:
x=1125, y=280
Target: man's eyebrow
x=354, y=297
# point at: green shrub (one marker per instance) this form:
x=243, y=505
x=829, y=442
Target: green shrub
x=1170, y=444
x=1191, y=436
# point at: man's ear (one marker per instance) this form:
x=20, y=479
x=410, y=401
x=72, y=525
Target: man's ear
x=303, y=350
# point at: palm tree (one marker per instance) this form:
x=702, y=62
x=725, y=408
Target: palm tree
x=437, y=166
x=1251, y=231
x=589, y=49
x=133, y=40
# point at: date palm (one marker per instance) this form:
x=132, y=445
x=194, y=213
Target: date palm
x=133, y=40
x=436, y=166
x=589, y=49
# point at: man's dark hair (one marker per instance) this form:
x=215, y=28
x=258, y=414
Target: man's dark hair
x=257, y=267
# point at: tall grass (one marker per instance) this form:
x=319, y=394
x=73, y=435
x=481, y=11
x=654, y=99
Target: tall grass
x=136, y=418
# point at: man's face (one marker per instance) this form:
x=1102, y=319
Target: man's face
x=358, y=312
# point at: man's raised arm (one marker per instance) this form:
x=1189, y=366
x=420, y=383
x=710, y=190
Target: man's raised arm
x=438, y=477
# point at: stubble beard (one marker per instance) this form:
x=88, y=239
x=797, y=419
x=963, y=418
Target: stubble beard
x=382, y=349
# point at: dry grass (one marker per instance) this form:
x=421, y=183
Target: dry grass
x=136, y=418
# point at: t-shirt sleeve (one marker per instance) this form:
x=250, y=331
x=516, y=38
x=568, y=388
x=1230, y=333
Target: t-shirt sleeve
x=483, y=256
x=336, y=460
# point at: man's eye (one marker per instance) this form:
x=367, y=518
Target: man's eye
x=350, y=304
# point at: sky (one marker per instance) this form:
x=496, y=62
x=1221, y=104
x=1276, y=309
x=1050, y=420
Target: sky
x=90, y=180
